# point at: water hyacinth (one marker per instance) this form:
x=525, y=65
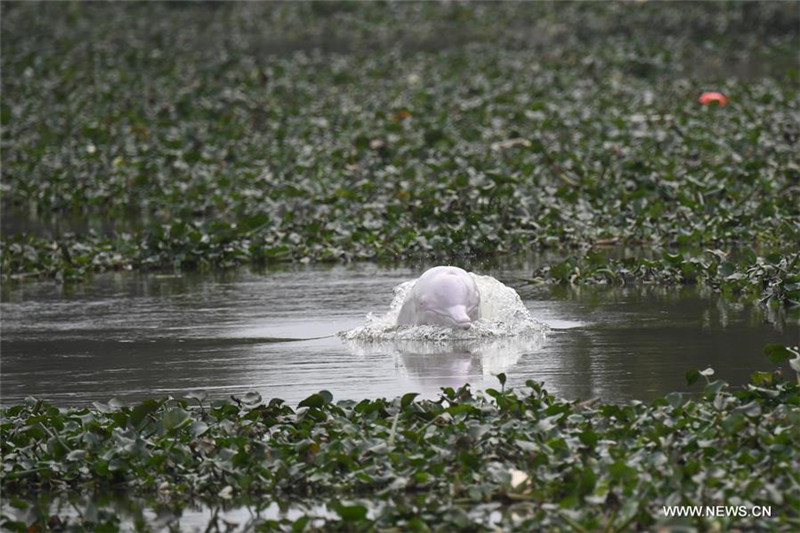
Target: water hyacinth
x=773, y=280
x=512, y=458
x=460, y=133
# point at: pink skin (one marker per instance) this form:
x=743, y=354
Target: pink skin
x=442, y=296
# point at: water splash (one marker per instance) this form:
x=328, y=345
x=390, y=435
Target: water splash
x=503, y=315
x=493, y=344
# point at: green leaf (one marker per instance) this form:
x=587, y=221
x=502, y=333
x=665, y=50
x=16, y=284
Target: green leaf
x=407, y=399
x=761, y=379
x=751, y=409
x=174, y=418
x=714, y=387
x=588, y=438
x=18, y=504
x=502, y=378
x=351, y=513
x=76, y=455
x=141, y=411
x=300, y=524
x=778, y=353
x=527, y=445
x=315, y=400
x=199, y=396
x=674, y=399
x=198, y=428
x=621, y=471
x=251, y=399
x=734, y=423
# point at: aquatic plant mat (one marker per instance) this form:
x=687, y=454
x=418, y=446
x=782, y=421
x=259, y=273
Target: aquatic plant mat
x=174, y=136
x=510, y=458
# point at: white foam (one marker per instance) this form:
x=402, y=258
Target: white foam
x=503, y=315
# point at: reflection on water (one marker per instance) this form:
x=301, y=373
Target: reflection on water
x=432, y=365
x=133, y=336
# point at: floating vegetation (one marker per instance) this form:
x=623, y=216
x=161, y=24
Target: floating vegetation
x=297, y=133
x=774, y=279
x=518, y=458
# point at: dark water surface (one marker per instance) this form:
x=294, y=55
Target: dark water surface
x=134, y=336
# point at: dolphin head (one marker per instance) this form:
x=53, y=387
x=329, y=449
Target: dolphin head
x=450, y=299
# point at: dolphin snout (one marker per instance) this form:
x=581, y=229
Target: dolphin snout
x=459, y=315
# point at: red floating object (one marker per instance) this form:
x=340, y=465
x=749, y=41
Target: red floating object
x=707, y=98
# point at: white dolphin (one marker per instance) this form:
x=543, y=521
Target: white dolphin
x=442, y=296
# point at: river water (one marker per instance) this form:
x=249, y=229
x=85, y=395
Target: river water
x=134, y=336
